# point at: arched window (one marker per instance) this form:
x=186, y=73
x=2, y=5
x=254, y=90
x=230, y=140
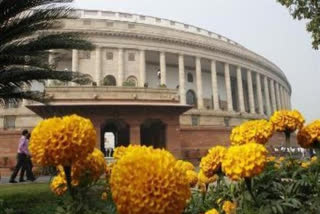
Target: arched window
x=190, y=77
x=191, y=98
x=132, y=81
x=109, y=81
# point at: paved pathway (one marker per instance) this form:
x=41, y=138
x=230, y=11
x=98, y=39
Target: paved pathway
x=42, y=179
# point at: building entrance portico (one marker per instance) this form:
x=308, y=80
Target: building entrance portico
x=124, y=121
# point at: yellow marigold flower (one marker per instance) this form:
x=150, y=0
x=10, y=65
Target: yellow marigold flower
x=91, y=167
x=212, y=211
x=185, y=165
x=120, y=151
x=244, y=161
x=309, y=134
x=94, y=166
x=228, y=207
x=148, y=180
x=271, y=158
x=281, y=159
x=202, y=178
x=192, y=177
x=104, y=196
x=219, y=200
x=58, y=185
x=211, y=163
x=287, y=121
x=314, y=159
x=305, y=164
x=259, y=131
x=61, y=141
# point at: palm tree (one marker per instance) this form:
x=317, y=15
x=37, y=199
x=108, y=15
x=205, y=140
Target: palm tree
x=28, y=30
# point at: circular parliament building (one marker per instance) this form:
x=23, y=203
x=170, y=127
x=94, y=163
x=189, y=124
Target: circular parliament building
x=155, y=82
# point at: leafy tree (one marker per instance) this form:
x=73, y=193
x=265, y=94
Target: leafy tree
x=306, y=9
x=29, y=29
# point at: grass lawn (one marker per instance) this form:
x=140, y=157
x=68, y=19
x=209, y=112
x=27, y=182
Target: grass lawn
x=29, y=198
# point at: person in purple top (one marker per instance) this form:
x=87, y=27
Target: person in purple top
x=28, y=164
x=22, y=159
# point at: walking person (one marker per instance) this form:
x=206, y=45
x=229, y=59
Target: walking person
x=21, y=157
x=27, y=167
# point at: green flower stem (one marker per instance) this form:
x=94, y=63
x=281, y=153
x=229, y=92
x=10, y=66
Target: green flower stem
x=248, y=184
x=67, y=171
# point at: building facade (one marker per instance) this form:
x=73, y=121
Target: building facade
x=190, y=84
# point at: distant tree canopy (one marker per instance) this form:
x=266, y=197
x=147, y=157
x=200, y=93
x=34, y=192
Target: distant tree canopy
x=306, y=9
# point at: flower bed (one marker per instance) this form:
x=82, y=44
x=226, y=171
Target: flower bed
x=243, y=178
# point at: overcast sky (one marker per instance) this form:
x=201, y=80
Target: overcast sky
x=263, y=26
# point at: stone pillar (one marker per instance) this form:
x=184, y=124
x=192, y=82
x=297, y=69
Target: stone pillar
x=278, y=96
x=288, y=99
x=215, y=92
x=267, y=95
x=142, y=68
x=135, y=134
x=199, y=82
x=52, y=64
x=120, y=68
x=283, y=98
x=290, y=104
x=75, y=63
x=182, y=90
x=228, y=86
x=240, y=90
x=273, y=95
x=163, y=68
x=98, y=66
x=250, y=89
x=260, y=99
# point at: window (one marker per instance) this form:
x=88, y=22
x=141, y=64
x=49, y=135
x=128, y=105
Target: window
x=9, y=122
x=132, y=81
x=109, y=81
x=84, y=54
x=190, y=77
x=109, y=55
x=194, y=120
x=131, y=57
x=172, y=23
x=142, y=18
x=191, y=98
x=158, y=20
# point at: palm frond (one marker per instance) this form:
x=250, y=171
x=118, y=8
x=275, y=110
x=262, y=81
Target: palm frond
x=11, y=8
x=63, y=40
x=32, y=21
x=16, y=75
x=29, y=29
x=16, y=97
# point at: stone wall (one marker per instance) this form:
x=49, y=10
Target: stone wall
x=8, y=146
